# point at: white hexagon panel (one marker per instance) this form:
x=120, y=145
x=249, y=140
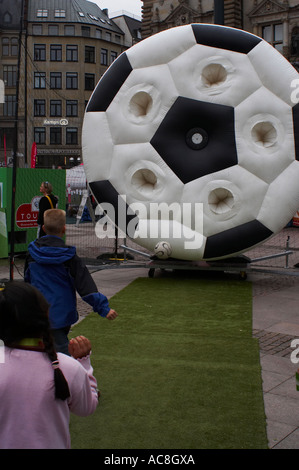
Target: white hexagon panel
x=192, y=137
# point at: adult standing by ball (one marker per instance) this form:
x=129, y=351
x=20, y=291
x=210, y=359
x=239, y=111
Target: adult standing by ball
x=47, y=201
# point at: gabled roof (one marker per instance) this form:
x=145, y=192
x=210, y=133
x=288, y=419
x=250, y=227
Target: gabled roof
x=180, y=10
x=70, y=11
x=133, y=25
x=268, y=7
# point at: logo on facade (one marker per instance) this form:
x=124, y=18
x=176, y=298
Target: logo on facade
x=56, y=122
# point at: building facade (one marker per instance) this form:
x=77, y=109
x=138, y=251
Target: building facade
x=10, y=23
x=65, y=48
x=277, y=21
x=130, y=25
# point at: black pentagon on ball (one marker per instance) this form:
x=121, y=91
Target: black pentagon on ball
x=225, y=38
x=105, y=192
x=196, y=138
x=110, y=84
x=295, y=111
x=236, y=239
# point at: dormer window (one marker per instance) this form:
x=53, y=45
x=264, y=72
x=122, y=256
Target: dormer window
x=42, y=13
x=59, y=13
x=7, y=18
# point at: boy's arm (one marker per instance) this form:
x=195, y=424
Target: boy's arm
x=87, y=289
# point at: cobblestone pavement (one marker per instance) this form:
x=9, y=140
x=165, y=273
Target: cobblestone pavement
x=275, y=344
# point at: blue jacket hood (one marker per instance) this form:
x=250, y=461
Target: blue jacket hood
x=50, y=250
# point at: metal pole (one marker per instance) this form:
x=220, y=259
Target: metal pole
x=15, y=150
x=219, y=12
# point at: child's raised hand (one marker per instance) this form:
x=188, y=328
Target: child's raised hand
x=79, y=347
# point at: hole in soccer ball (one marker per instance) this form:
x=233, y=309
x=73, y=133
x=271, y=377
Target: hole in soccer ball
x=213, y=75
x=221, y=200
x=140, y=104
x=144, y=180
x=264, y=134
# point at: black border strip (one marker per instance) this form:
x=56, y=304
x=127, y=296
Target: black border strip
x=225, y=38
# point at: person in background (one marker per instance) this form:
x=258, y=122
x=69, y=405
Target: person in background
x=58, y=272
x=47, y=201
x=39, y=388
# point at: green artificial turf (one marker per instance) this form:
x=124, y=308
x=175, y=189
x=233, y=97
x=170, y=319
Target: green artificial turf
x=178, y=369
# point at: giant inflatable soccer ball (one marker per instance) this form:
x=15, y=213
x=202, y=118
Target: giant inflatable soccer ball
x=193, y=135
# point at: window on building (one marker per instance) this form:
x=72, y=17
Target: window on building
x=55, y=135
x=278, y=37
x=108, y=36
x=56, y=80
x=295, y=42
x=274, y=35
x=10, y=46
x=39, y=52
x=9, y=133
x=98, y=33
x=53, y=30
x=93, y=17
x=55, y=108
x=71, y=136
x=37, y=29
x=14, y=46
x=89, y=81
x=42, y=13
x=90, y=54
x=7, y=18
x=59, y=13
x=39, y=108
x=9, y=107
x=118, y=38
x=39, y=80
x=69, y=30
x=72, y=53
x=104, y=57
x=5, y=46
x=72, y=108
x=72, y=80
x=113, y=56
x=10, y=75
x=40, y=135
x=56, y=52
x=85, y=31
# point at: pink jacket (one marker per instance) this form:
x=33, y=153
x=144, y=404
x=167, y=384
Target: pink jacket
x=30, y=416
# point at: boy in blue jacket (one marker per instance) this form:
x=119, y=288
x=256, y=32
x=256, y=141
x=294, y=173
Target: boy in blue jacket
x=57, y=271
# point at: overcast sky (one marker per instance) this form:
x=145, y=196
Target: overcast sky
x=132, y=6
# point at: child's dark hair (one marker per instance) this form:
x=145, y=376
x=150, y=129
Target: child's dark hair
x=24, y=314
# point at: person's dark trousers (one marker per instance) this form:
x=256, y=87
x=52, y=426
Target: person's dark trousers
x=61, y=340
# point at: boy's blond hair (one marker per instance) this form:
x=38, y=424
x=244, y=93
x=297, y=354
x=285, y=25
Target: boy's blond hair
x=54, y=221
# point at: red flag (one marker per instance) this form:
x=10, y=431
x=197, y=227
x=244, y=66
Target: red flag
x=5, y=157
x=33, y=155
